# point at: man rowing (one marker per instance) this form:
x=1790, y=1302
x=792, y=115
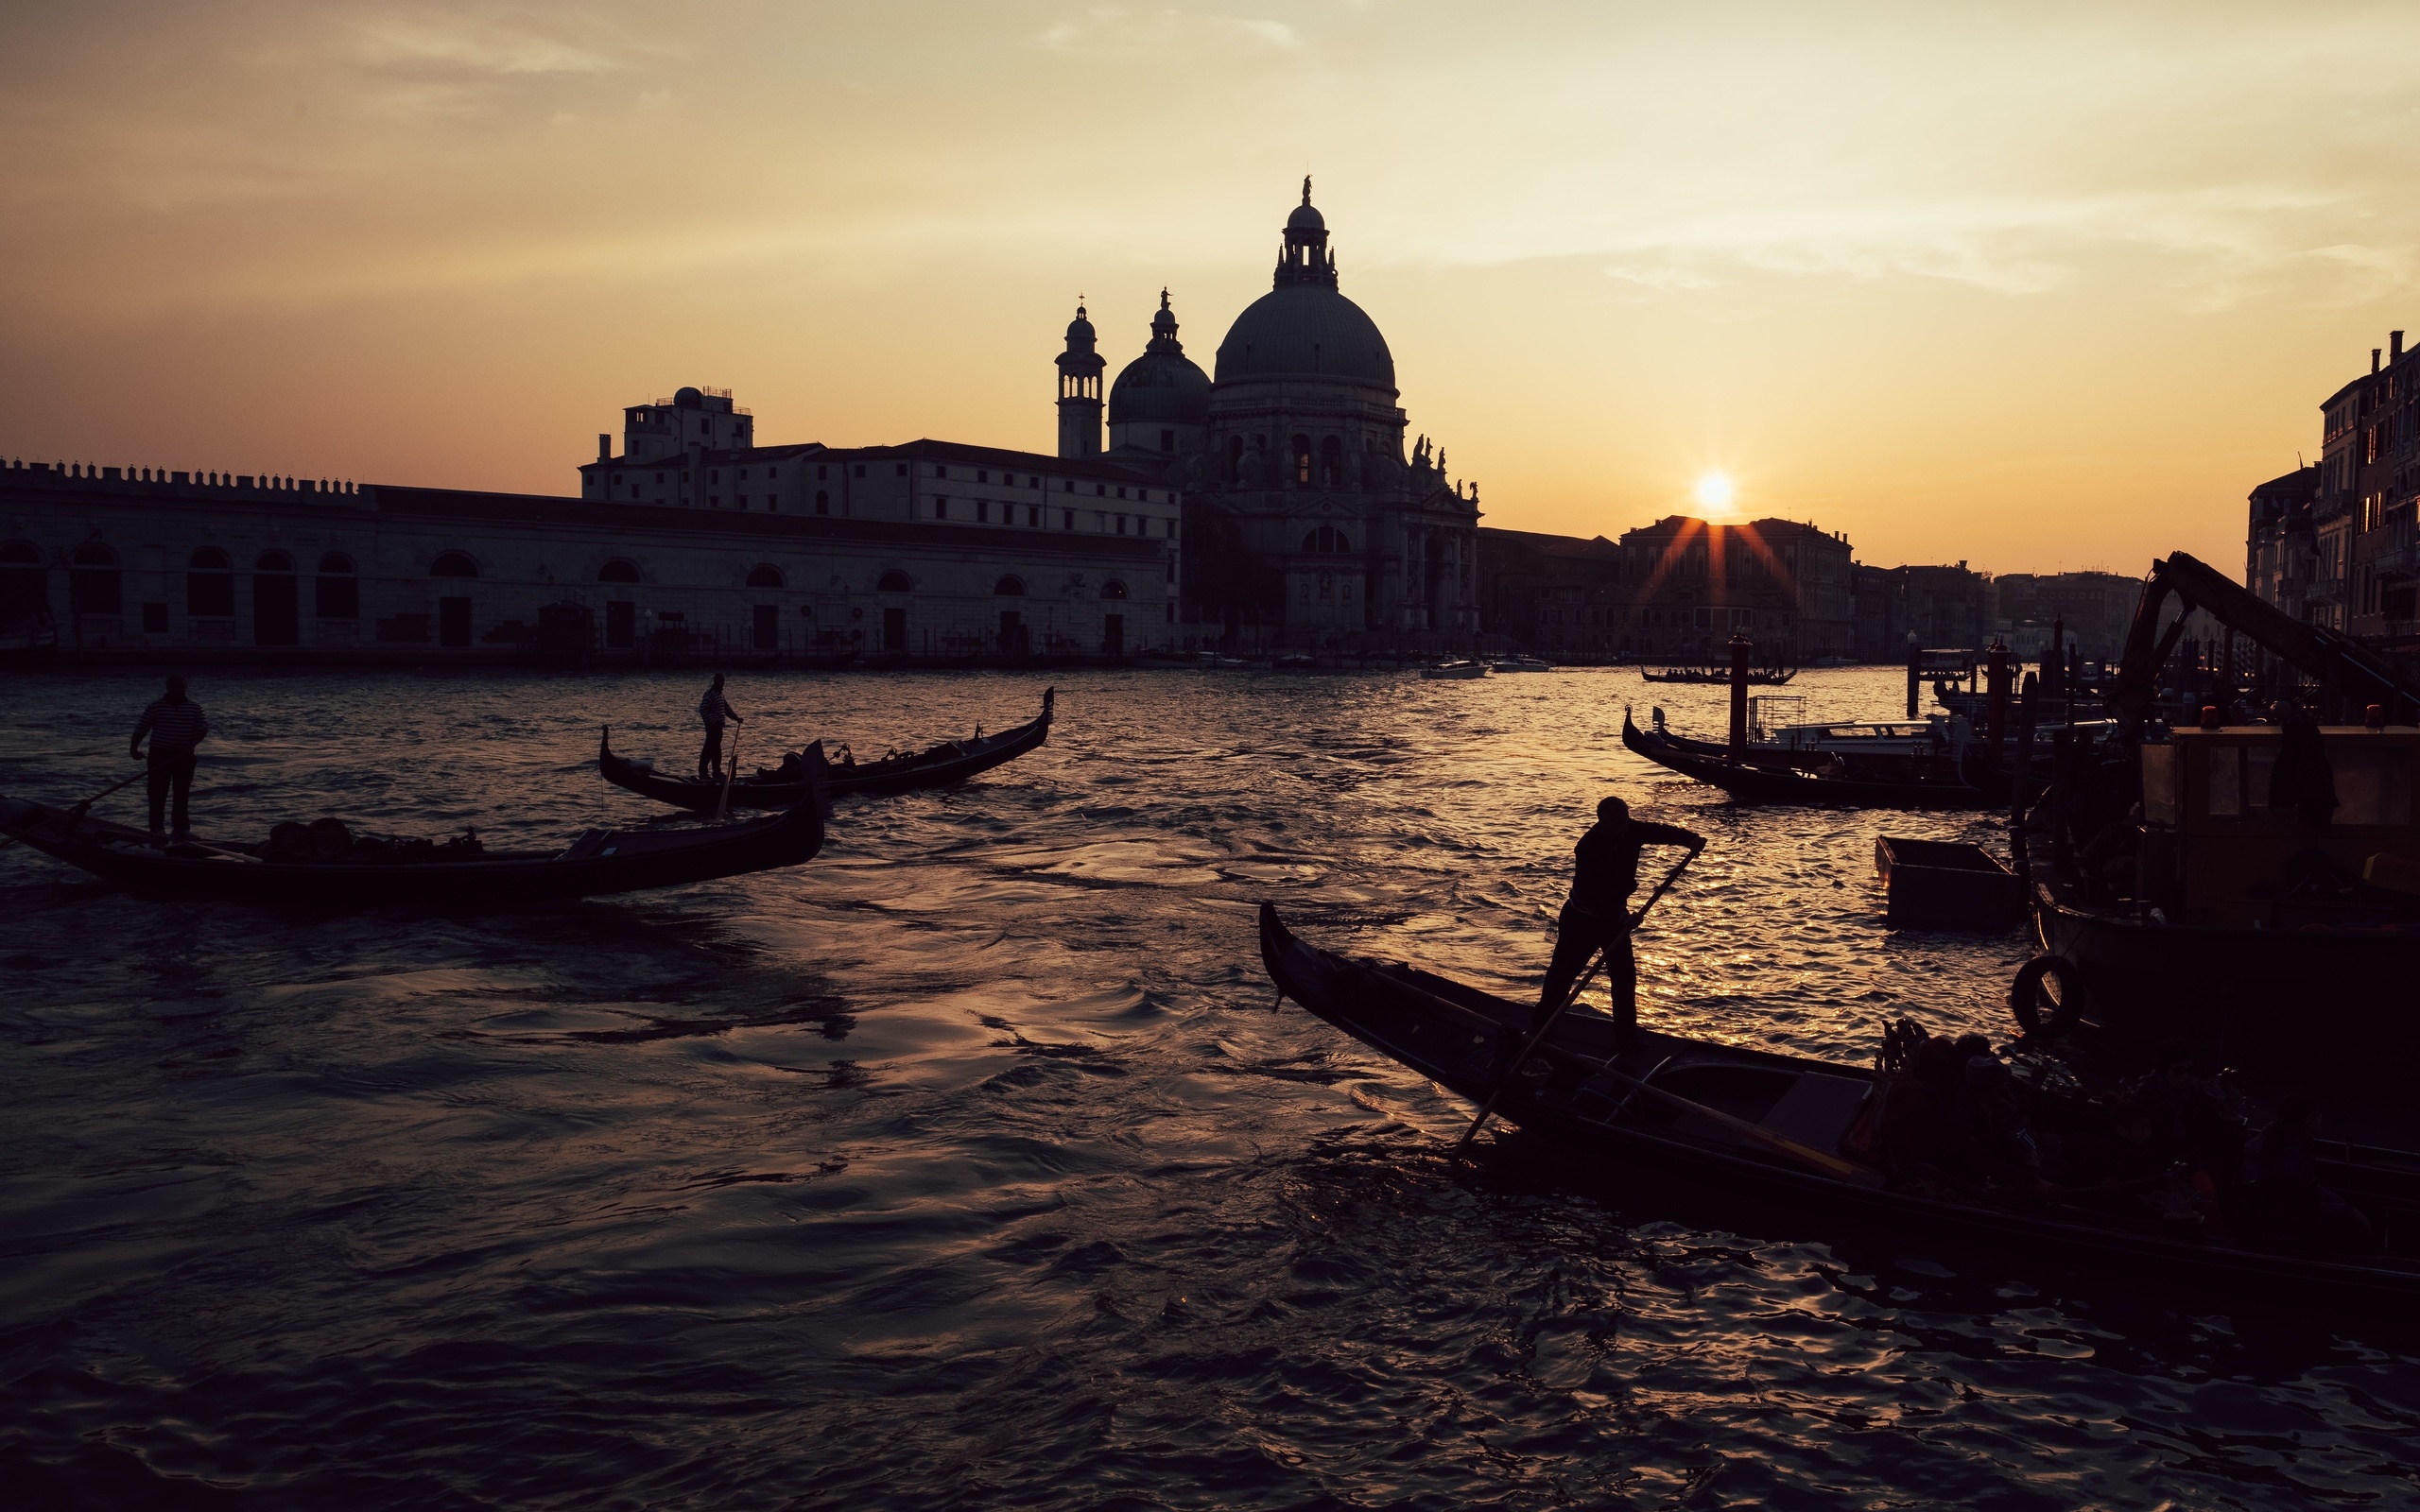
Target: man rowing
x=176, y=727
x=712, y=711
x=1604, y=873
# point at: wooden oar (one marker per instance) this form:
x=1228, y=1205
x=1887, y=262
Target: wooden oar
x=1782, y=1144
x=1504, y=1078
x=81, y=809
x=730, y=771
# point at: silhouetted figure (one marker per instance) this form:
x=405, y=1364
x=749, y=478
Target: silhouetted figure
x=176, y=727
x=1604, y=873
x=713, y=710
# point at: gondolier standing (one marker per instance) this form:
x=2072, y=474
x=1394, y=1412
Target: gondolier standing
x=713, y=709
x=1604, y=873
x=176, y=727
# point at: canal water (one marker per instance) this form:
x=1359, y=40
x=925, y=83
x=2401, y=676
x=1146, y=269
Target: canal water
x=970, y=1165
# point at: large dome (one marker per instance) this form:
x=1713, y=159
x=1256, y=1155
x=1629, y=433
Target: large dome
x=1306, y=330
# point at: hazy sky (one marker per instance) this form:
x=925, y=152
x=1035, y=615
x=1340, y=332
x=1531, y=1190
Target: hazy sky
x=2031, y=286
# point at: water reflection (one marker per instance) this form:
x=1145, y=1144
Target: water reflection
x=969, y=1163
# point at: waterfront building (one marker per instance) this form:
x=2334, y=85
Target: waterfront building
x=150, y=562
x=1677, y=589
x=2090, y=610
x=1945, y=608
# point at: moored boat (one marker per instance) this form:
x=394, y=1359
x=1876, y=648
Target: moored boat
x=1756, y=1125
x=1454, y=671
x=1765, y=677
x=951, y=761
x=354, y=872
x=1784, y=785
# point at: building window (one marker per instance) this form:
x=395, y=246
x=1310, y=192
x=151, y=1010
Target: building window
x=1121, y=519
x=1070, y=523
x=339, y=588
x=620, y=570
x=902, y=469
x=1010, y=587
x=1113, y=588
x=1034, y=514
x=982, y=509
x=773, y=503
x=452, y=564
x=1100, y=490
x=893, y=581
x=940, y=472
x=941, y=508
x=210, y=584
x=822, y=502
x=765, y=574
x=1171, y=524
x=1067, y=486
x=982, y=476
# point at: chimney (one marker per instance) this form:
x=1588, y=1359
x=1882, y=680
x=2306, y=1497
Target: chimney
x=2395, y=346
x=604, y=447
x=2374, y=359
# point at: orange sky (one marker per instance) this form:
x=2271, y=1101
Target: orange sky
x=2034, y=286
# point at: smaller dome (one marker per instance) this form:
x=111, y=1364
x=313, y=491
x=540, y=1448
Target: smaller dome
x=1079, y=329
x=1305, y=216
x=689, y=398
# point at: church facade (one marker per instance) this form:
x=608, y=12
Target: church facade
x=1312, y=519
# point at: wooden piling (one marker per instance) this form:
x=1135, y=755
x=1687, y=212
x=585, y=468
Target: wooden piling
x=1740, y=647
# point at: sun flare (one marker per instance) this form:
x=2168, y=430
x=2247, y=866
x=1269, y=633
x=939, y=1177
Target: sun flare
x=1715, y=491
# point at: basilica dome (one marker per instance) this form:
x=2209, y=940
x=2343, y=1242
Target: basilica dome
x=1303, y=328
x=1163, y=385
x=1306, y=330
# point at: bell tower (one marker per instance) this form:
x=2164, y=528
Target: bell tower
x=1080, y=371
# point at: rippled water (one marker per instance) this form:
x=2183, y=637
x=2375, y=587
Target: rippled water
x=969, y=1166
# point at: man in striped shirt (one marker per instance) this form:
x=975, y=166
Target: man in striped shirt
x=176, y=727
x=713, y=709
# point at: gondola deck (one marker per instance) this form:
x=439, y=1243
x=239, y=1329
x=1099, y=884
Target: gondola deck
x=950, y=762
x=1457, y=1036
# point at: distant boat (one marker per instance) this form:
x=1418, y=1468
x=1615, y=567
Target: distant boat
x=1768, y=677
x=1454, y=671
x=1520, y=663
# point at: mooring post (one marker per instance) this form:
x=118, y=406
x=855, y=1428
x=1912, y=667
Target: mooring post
x=1996, y=683
x=1916, y=671
x=1740, y=646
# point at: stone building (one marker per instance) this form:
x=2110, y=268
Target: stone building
x=1008, y=561
x=1677, y=589
x=2091, y=611
x=1945, y=608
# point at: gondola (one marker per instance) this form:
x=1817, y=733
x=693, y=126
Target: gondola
x=1754, y=1125
x=1768, y=678
x=443, y=876
x=1769, y=784
x=2239, y=990
x=951, y=761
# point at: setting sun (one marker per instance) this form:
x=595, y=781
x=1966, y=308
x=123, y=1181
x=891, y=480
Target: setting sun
x=1715, y=491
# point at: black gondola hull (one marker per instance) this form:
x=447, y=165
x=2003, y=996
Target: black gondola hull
x=1457, y=1036
x=952, y=763
x=598, y=864
x=1769, y=784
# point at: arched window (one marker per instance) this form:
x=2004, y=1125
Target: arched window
x=452, y=564
x=1331, y=461
x=92, y=580
x=765, y=575
x=1113, y=588
x=893, y=581
x=618, y=571
x=1010, y=587
x=339, y=590
x=24, y=598
x=274, y=562
x=210, y=584
x=1326, y=537
x=1301, y=450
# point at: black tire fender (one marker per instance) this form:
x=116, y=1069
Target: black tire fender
x=2025, y=996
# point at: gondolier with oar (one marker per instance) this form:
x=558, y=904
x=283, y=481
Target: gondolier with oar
x=712, y=711
x=176, y=727
x=1596, y=916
